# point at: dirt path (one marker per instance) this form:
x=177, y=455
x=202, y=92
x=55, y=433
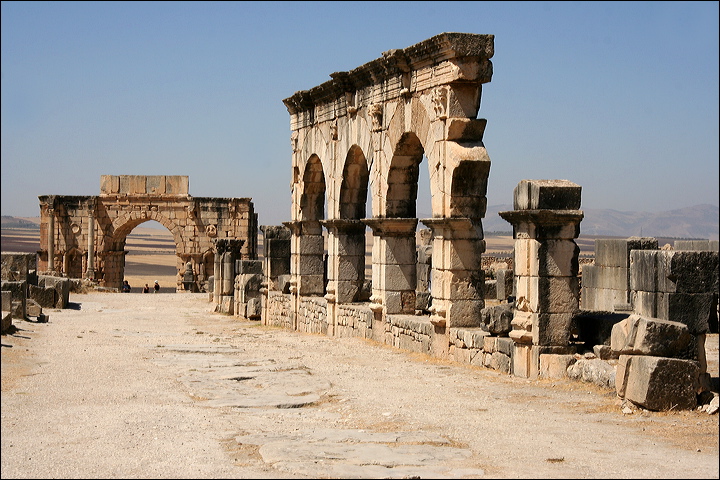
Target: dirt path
x=156, y=386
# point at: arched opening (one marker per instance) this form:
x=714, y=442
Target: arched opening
x=312, y=268
x=353, y=235
x=151, y=254
x=403, y=178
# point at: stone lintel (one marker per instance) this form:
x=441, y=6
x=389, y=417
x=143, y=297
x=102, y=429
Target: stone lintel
x=396, y=66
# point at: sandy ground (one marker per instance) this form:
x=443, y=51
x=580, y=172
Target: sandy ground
x=157, y=386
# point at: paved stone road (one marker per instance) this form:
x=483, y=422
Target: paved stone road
x=156, y=386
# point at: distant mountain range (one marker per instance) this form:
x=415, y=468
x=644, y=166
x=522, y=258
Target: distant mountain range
x=699, y=222
x=17, y=222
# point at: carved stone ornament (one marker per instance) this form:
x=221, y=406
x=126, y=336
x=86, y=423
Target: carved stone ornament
x=294, y=141
x=211, y=230
x=440, y=100
x=376, y=113
x=334, y=130
x=75, y=228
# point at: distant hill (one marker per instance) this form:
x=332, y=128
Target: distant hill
x=17, y=222
x=700, y=221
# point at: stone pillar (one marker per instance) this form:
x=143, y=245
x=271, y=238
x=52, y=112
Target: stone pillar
x=457, y=282
x=394, y=264
x=546, y=222
x=90, y=271
x=51, y=239
x=217, y=275
x=346, y=259
x=227, y=250
x=307, y=265
x=276, y=247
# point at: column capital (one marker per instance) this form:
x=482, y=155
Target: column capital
x=389, y=227
x=344, y=226
x=304, y=227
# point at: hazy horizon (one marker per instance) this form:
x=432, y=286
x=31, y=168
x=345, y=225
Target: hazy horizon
x=619, y=97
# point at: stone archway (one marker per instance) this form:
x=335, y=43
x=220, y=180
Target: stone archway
x=95, y=228
x=413, y=103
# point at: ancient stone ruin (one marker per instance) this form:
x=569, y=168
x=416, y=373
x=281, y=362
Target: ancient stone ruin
x=635, y=320
x=366, y=133
x=84, y=236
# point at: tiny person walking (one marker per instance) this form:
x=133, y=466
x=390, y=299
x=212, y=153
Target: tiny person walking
x=126, y=287
x=156, y=286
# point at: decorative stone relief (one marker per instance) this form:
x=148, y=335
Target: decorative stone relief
x=376, y=114
x=351, y=106
x=440, y=101
x=211, y=230
x=334, y=130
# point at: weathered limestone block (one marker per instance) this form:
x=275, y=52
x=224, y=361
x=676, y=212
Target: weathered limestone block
x=658, y=383
x=548, y=294
x=554, y=257
x=500, y=362
x=33, y=308
x=44, y=296
x=687, y=271
x=6, y=300
x=505, y=283
x=594, y=371
x=6, y=321
x=546, y=195
x=611, y=252
x=19, y=297
x=599, y=276
x=17, y=266
x=497, y=319
x=61, y=285
x=702, y=245
x=643, y=270
x=638, y=335
x=696, y=310
x=645, y=303
x=554, y=365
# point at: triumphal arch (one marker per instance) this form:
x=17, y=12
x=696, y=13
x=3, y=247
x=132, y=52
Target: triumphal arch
x=365, y=133
x=84, y=236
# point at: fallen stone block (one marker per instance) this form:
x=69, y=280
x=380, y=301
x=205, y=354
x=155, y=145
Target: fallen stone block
x=555, y=366
x=638, y=335
x=660, y=383
x=595, y=371
x=6, y=321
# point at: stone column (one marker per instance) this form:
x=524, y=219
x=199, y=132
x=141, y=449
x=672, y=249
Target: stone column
x=51, y=239
x=546, y=222
x=394, y=264
x=227, y=250
x=90, y=272
x=457, y=281
x=346, y=259
x=276, y=247
x=307, y=265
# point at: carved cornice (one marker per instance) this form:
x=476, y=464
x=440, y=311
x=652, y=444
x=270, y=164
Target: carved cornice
x=394, y=72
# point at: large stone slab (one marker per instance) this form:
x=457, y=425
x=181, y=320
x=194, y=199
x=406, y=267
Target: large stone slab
x=638, y=335
x=658, y=383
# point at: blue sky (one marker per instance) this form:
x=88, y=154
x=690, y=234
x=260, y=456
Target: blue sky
x=619, y=97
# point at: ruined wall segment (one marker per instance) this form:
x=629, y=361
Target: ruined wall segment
x=368, y=130
x=84, y=236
